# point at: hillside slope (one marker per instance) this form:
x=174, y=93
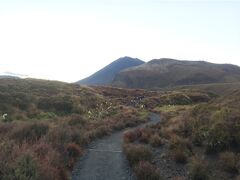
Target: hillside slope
x=106, y=75
x=164, y=72
x=45, y=125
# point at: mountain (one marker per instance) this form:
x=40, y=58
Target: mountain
x=160, y=73
x=106, y=75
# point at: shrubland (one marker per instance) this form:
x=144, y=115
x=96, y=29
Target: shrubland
x=45, y=125
x=196, y=139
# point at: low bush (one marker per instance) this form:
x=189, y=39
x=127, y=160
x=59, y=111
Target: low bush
x=59, y=136
x=30, y=132
x=179, y=156
x=219, y=138
x=180, y=143
x=131, y=135
x=26, y=168
x=50, y=162
x=198, y=136
x=199, y=169
x=76, y=119
x=44, y=115
x=5, y=128
x=72, y=153
x=180, y=149
x=137, y=152
x=146, y=134
x=73, y=150
x=79, y=137
x=146, y=171
x=156, y=140
x=229, y=162
x=101, y=131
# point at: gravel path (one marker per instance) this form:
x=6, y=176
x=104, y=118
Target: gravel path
x=105, y=160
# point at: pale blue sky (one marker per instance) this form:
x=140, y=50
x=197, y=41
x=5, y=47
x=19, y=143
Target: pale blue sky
x=69, y=39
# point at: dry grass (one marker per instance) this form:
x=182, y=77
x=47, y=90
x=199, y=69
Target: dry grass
x=50, y=122
x=131, y=135
x=229, y=162
x=156, y=140
x=146, y=171
x=199, y=169
x=180, y=149
x=137, y=152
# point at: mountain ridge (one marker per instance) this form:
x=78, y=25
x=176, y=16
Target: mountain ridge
x=106, y=75
x=165, y=72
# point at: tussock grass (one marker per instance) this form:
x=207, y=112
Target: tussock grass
x=48, y=123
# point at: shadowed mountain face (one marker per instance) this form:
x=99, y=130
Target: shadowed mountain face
x=106, y=75
x=160, y=73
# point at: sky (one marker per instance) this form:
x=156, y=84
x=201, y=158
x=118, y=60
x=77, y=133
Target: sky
x=68, y=40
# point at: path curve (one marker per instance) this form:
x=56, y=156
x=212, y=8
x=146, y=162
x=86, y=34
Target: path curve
x=105, y=160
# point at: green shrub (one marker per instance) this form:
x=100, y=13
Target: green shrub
x=63, y=105
x=219, y=138
x=46, y=115
x=22, y=100
x=58, y=104
x=26, y=168
x=180, y=99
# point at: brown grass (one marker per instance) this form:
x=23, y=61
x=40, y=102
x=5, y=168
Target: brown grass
x=137, y=152
x=131, y=135
x=229, y=162
x=51, y=122
x=156, y=140
x=146, y=171
x=199, y=169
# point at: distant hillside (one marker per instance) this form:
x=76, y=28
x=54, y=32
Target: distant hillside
x=8, y=77
x=216, y=88
x=106, y=75
x=161, y=73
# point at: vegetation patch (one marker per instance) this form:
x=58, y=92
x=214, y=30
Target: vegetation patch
x=146, y=171
x=137, y=152
x=199, y=169
x=44, y=125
